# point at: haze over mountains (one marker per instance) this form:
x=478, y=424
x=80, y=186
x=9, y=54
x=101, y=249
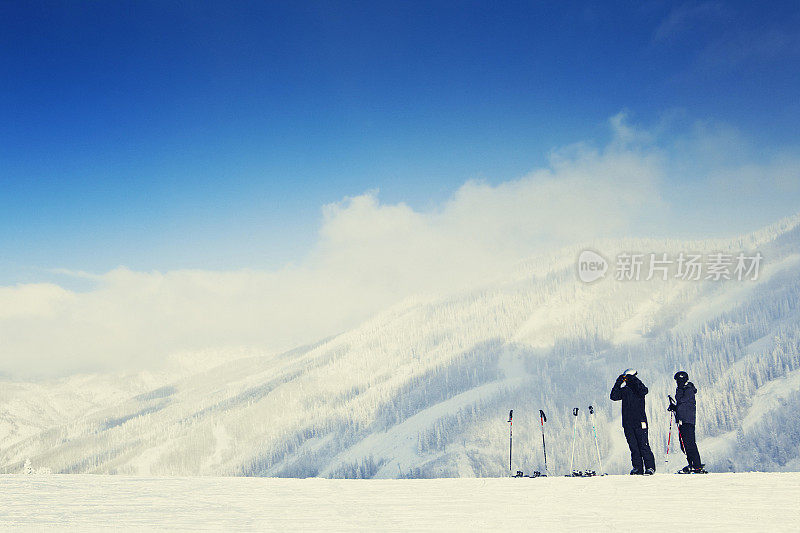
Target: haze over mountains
x=423, y=389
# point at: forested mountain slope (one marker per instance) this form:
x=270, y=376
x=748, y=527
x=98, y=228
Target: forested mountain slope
x=424, y=388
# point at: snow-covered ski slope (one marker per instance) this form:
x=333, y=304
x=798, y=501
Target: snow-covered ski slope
x=715, y=502
x=424, y=388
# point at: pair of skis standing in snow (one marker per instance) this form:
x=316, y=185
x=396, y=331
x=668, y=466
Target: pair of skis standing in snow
x=631, y=391
x=542, y=419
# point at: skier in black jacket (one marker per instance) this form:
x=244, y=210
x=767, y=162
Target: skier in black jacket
x=632, y=391
x=684, y=407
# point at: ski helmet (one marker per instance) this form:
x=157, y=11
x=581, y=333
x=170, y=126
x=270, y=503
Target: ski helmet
x=681, y=377
x=630, y=372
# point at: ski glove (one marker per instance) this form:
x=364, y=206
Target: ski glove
x=672, y=407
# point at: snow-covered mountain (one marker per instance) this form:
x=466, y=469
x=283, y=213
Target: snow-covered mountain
x=424, y=388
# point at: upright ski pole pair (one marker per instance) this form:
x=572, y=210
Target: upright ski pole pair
x=542, y=420
x=596, y=442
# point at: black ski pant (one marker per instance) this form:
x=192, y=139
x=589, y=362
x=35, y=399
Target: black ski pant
x=690, y=444
x=640, y=447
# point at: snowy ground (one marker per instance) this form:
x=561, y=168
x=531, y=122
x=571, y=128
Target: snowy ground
x=724, y=502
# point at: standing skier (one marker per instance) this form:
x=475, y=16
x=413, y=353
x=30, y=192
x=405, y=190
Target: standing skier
x=684, y=407
x=632, y=391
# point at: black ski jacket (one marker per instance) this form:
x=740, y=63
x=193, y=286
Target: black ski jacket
x=686, y=404
x=632, y=395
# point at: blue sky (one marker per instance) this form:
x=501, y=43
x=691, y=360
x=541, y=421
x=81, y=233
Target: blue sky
x=169, y=135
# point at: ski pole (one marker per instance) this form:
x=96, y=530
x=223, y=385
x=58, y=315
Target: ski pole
x=669, y=438
x=574, y=429
x=677, y=426
x=543, y=419
x=510, y=438
x=596, y=444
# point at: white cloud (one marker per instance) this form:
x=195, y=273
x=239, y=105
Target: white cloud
x=32, y=300
x=369, y=256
